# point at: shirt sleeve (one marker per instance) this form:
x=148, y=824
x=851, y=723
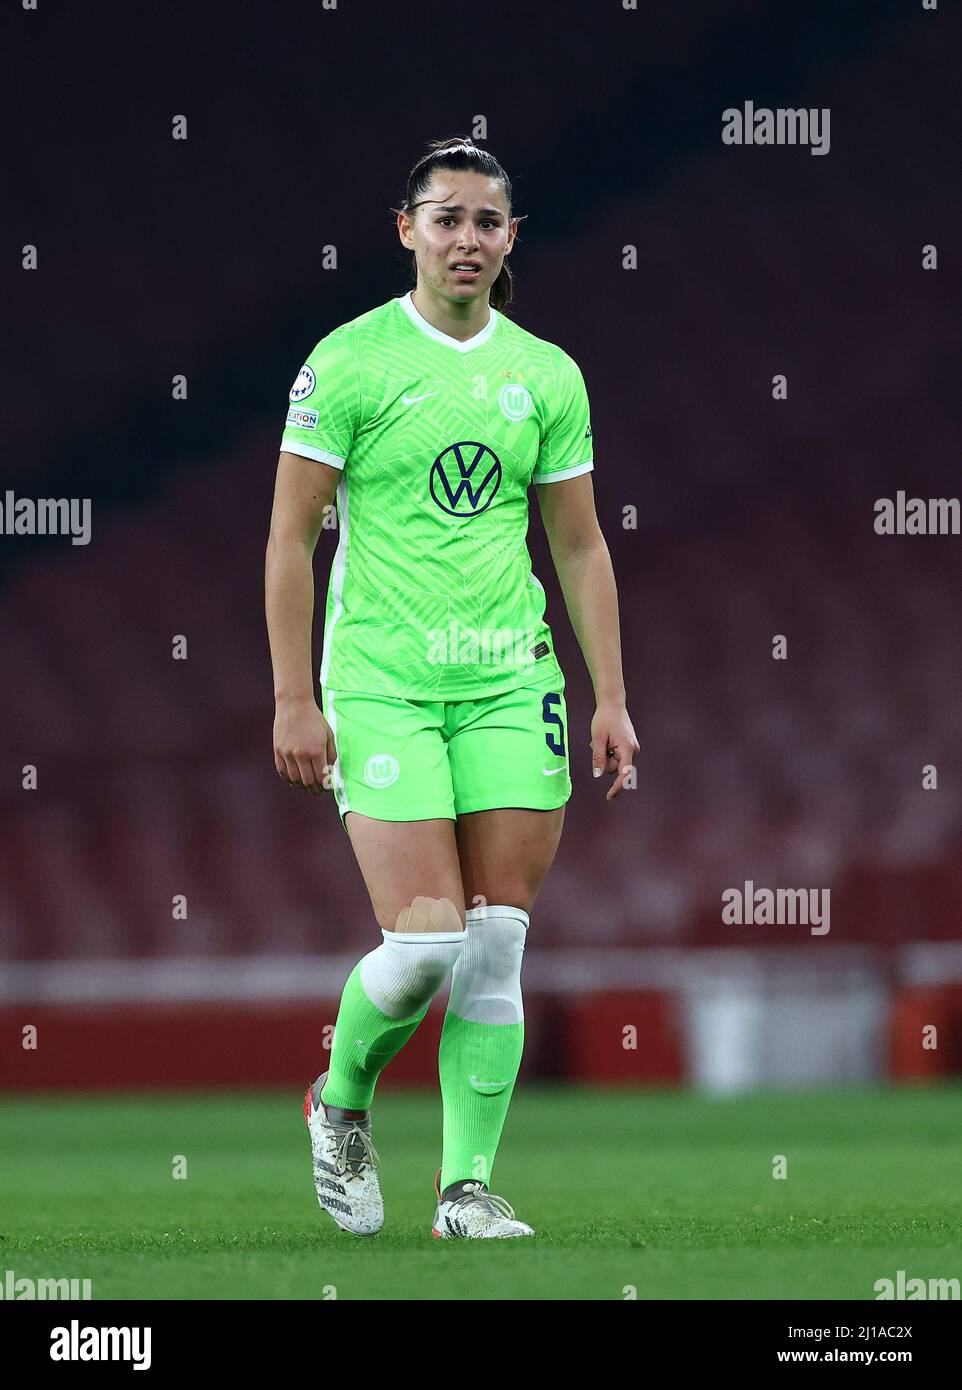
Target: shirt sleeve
x=566, y=447
x=322, y=419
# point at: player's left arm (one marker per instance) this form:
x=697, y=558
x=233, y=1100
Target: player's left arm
x=583, y=565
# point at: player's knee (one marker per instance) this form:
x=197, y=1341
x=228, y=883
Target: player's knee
x=409, y=967
x=429, y=915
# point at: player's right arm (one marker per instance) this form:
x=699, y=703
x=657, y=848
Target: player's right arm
x=303, y=742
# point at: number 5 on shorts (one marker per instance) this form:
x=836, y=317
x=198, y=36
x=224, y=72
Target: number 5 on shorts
x=550, y=716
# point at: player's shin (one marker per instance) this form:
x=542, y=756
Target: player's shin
x=481, y=1042
x=386, y=997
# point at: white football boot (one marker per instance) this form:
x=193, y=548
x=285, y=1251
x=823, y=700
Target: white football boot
x=476, y=1214
x=345, y=1166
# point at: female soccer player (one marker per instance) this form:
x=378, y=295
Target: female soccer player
x=443, y=732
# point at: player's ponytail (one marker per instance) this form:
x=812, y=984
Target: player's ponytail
x=460, y=152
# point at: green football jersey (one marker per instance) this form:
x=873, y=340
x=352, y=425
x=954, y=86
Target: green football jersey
x=431, y=594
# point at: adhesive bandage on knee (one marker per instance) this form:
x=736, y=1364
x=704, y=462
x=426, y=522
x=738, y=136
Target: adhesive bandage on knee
x=486, y=983
x=429, y=915
x=404, y=973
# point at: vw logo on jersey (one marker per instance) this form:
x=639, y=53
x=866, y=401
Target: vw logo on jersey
x=381, y=769
x=465, y=478
x=515, y=401
x=303, y=385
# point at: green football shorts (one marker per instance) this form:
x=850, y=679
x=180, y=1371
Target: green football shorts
x=400, y=759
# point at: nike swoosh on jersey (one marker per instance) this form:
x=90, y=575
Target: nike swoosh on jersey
x=550, y=771
x=410, y=400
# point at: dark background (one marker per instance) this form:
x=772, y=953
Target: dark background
x=755, y=517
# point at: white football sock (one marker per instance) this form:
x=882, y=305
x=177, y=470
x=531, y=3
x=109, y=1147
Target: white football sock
x=406, y=971
x=486, y=984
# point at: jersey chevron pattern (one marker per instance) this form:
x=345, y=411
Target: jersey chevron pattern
x=431, y=594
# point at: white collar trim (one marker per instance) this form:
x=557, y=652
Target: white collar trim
x=419, y=321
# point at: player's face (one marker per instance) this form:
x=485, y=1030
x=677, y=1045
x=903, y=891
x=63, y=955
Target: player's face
x=462, y=216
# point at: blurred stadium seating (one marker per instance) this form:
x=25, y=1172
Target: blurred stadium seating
x=754, y=518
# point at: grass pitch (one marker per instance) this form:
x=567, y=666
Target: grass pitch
x=669, y=1195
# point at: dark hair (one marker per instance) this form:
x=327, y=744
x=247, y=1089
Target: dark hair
x=460, y=152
